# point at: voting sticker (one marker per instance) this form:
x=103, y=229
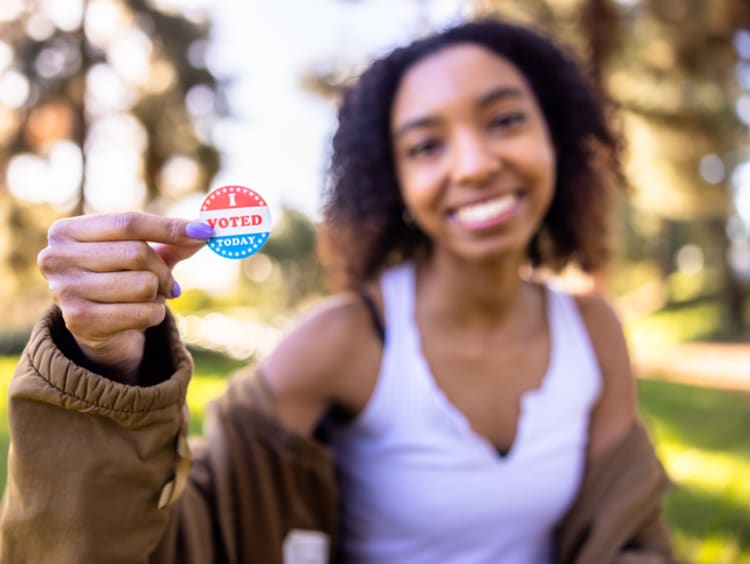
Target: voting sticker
x=240, y=219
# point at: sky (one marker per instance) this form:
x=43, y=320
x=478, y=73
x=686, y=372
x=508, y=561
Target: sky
x=278, y=141
x=277, y=136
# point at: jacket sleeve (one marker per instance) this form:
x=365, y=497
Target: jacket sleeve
x=617, y=515
x=100, y=472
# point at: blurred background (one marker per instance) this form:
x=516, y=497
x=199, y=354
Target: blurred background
x=107, y=105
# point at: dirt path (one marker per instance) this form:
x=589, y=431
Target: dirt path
x=716, y=365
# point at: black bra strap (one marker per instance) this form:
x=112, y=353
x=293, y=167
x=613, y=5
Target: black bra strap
x=377, y=323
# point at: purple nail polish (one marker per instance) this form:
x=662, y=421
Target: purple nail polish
x=176, y=290
x=199, y=230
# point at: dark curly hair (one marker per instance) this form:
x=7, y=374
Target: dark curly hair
x=364, y=230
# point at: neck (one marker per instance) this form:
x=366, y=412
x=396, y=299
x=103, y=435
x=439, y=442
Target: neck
x=471, y=293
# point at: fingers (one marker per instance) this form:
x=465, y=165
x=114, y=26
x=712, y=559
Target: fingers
x=131, y=226
x=118, y=242
x=113, y=287
x=96, y=323
x=115, y=257
x=110, y=282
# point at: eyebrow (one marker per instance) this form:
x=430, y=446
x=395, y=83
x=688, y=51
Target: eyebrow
x=499, y=94
x=485, y=100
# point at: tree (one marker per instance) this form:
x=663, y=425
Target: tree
x=107, y=105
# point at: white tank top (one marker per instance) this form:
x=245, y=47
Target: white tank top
x=418, y=485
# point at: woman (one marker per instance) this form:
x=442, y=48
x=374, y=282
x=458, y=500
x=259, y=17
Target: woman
x=473, y=414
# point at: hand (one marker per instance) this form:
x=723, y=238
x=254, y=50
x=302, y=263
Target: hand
x=111, y=284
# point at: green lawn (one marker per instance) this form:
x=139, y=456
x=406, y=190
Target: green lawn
x=701, y=435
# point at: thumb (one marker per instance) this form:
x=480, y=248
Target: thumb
x=172, y=254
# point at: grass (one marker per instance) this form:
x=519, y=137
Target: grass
x=700, y=433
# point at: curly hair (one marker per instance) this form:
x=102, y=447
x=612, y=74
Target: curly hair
x=364, y=229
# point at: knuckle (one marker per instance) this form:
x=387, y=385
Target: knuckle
x=127, y=223
x=149, y=316
x=77, y=317
x=159, y=312
x=175, y=229
x=136, y=254
x=46, y=261
x=149, y=284
x=64, y=293
x=57, y=231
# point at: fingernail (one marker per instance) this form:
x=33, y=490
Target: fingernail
x=199, y=230
x=176, y=290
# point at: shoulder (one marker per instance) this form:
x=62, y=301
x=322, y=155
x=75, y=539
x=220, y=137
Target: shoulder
x=615, y=410
x=600, y=318
x=329, y=323
x=326, y=359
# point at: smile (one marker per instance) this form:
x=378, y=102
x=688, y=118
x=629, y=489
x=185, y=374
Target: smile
x=488, y=212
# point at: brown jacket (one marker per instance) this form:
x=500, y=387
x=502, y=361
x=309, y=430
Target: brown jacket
x=100, y=472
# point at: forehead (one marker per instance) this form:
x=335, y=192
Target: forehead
x=456, y=73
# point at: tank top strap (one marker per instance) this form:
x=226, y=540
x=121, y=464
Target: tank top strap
x=394, y=384
x=397, y=286
x=572, y=345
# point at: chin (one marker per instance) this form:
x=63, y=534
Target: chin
x=491, y=254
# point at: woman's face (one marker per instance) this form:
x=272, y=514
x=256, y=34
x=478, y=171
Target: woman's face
x=473, y=155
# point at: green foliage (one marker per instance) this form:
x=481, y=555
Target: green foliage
x=698, y=319
x=691, y=321
x=7, y=364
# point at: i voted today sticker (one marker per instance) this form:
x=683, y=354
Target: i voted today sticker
x=240, y=219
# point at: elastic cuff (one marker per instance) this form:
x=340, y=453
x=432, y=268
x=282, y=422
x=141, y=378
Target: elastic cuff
x=83, y=388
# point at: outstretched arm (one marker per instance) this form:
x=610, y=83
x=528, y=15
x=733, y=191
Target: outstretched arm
x=99, y=468
x=100, y=471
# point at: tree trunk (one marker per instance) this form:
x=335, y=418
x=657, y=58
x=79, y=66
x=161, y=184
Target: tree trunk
x=79, y=110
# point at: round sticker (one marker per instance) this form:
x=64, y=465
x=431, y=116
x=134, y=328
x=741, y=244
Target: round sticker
x=240, y=218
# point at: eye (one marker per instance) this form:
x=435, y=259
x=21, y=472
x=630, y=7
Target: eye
x=424, y=148
x=507, y=120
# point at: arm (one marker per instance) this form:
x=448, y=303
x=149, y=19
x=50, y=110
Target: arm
x=97, y=466
x=618, y=509
x=615, y=411
x=91, y=460
x=100, y=472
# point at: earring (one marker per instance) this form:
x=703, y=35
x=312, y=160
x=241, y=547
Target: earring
x=407, y=218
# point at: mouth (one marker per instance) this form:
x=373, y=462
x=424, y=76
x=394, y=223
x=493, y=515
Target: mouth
x=486, y=213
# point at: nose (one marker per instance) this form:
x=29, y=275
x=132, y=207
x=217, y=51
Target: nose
x=473, y=160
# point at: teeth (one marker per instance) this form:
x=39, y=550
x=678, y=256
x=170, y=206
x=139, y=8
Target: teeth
x=485, y=210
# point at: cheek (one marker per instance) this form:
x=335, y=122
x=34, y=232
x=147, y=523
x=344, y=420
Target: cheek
x=538, y=159
x=419, y=185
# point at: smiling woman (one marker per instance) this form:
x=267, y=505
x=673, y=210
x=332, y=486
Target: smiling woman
x=447, y=384
x=473, y=155
x=586, y=157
